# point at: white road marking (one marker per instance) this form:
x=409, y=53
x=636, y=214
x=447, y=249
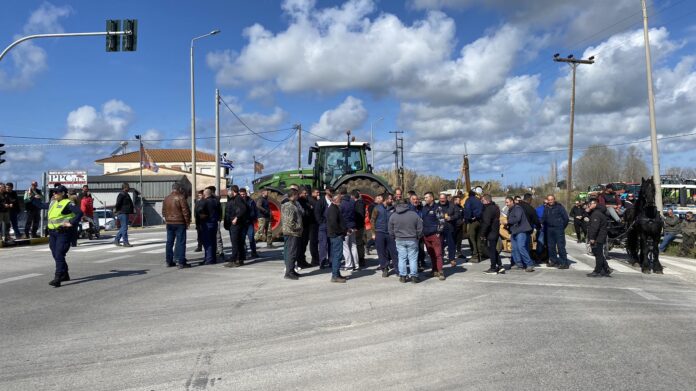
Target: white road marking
x=678, y=264
x=617, y=265
x=135, y=248
x=644, y=294
x=161, y=250
x=111, y=244
x=112, y=259
x=578, y=265
x=4, y=280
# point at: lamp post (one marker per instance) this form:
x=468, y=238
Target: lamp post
x=193, y=124
x=372, y=140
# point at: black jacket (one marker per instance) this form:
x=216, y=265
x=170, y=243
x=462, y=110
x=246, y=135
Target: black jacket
x=359, y=214
x=124, y=204
x=335, y=224
x=577, y=211
x=453, y=214
x=307, y=211
x=13, y=199
x=599, y=225
x=320, y=210
x=555, y=216
x=490, y=222
x=531, y=215
x=236, y=208
x=208, y=210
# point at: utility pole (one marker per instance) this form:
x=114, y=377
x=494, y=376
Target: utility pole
x=573, y=62
x=217, y=141
x=299, y=146
x=142, y=204
x=465, y=166
x=396, y=156
x=401, y=169
x=651, y=106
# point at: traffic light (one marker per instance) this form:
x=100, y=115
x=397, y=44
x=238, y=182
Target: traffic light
x=130, y=40
x=2, y=152
x=113, y=41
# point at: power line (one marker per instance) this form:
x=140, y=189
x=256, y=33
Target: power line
x=276, y=147
x=76, y=141
x=245, y=125
x=316, y=135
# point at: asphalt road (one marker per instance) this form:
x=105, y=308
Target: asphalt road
x=126, y=322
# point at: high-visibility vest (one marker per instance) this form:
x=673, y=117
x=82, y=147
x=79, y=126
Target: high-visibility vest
x=56, y=218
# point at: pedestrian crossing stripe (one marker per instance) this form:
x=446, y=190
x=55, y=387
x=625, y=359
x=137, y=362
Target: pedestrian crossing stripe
x=161, y=250
x=682, y=265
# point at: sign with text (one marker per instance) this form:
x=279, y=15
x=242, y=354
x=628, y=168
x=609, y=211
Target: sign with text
x=67, y=178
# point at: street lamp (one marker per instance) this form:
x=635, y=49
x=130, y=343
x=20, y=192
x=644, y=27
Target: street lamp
x=193, y=125
x=372, y=140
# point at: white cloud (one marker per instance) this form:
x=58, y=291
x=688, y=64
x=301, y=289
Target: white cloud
x=111, y=122
x=28, y=59
x=336, y=49
x=350, y=114
x=573, y=21
x=45, y=20
x=611, y=107
x=152, y=134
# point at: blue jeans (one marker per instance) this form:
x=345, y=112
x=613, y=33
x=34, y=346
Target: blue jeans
x=123, y=230
x=666, y=239
x=408, y=252
x=520, y=251
x=252, y=240
x=557, y=245
x=178, y=251
x=336, y=254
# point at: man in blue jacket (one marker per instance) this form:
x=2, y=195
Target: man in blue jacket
x=519, y=228
x=555, y=220
x=386, y=248
x=432, y=229
x=473, y=210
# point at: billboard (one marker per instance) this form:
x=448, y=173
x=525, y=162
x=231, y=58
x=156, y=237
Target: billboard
x=67, y=178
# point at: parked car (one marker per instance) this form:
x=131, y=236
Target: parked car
x=105, y=218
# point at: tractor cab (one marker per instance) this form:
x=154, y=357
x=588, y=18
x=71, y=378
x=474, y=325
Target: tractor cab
x=335, y=160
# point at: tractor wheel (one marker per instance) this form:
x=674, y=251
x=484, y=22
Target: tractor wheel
x=274, y=200
x=368, y=189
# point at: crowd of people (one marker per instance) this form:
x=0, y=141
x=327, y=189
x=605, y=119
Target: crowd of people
x=339, y=228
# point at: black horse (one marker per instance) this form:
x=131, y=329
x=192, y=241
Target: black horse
x=644, y=229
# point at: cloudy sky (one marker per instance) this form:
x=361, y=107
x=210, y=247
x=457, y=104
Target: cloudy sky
x=454, y=75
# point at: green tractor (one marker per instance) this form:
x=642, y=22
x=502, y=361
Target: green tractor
x=337, y=165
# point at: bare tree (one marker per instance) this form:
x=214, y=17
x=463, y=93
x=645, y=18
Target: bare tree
x=682, y=172
x=598, y=164
x=634, y=167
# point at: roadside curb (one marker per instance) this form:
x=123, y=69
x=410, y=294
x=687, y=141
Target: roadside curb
x=25, y=242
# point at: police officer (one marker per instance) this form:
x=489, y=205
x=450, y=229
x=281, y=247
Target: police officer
x=62, y=216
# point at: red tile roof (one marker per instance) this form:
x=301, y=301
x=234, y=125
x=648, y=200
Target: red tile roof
x=160, y=156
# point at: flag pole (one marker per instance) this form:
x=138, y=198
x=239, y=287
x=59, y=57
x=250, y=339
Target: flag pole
x=142, y=204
